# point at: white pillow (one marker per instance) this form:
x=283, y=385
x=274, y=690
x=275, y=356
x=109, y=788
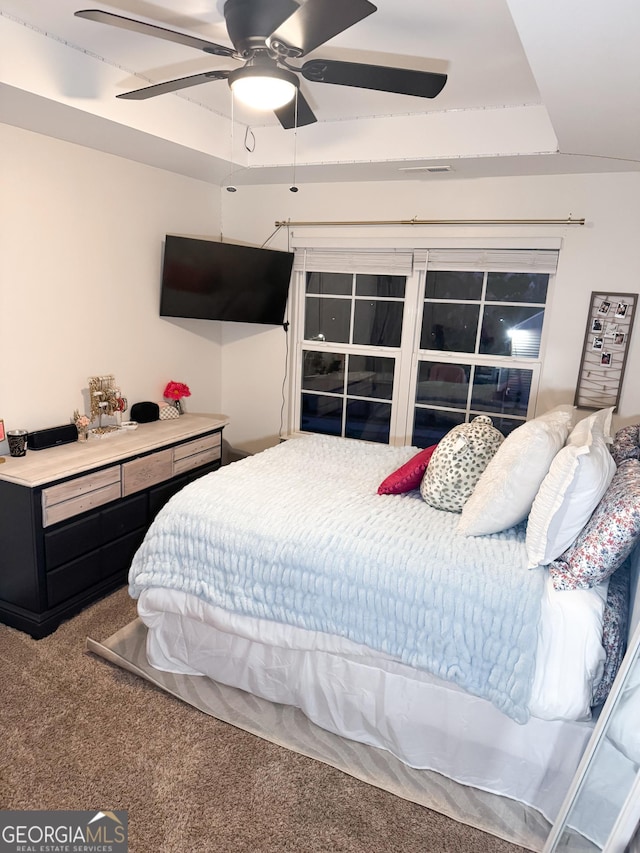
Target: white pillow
x=578, y=477
x=506, y=490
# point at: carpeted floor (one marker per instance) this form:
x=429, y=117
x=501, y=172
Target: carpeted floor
x=79, y=733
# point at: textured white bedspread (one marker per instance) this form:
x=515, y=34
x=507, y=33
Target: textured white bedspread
x=298, y=534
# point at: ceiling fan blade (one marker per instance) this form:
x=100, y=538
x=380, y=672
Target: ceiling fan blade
x=315, y=22
x=152, y=30
x=295, y=114
x=173, y=85
x=402, y=81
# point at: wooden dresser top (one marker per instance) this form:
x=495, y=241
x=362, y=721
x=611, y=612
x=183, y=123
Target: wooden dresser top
x=38, y=467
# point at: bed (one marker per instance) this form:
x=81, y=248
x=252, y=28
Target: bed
x=295, y=576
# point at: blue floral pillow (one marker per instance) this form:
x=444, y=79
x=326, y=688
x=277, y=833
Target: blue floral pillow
x=626, y=444
x=614, y=631
x=608, y=537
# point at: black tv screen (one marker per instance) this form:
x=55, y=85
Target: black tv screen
x=207, y=280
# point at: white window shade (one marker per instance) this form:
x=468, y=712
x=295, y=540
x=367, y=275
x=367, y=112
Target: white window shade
x=385, y=262
x=352, y=261
x=493, y=260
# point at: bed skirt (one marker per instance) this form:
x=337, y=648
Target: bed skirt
x=288, y=727
x=424, y=722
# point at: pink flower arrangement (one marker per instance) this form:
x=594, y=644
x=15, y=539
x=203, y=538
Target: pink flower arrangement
x=176, y=391
x=81, y=421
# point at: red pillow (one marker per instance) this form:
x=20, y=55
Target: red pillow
x=409, y=475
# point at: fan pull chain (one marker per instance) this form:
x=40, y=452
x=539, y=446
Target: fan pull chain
x=230, y=188
x=293, y=188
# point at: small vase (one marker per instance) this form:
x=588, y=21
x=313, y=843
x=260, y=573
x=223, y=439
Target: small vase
x=82, y=434
x=178, y=406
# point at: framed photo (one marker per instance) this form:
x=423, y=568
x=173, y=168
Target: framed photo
x=604, y=350
x=2, y=432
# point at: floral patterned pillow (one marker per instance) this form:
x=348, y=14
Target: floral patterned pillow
x=626, y=444
x=608, y=537
x=614, y=630
x=457, y=463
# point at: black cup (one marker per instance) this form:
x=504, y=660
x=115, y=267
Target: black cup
x=17, y=439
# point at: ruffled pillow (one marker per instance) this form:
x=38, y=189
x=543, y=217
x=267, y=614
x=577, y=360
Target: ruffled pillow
x=407, y=476
x=578, y=477
x=458, y=462
x=608, y=537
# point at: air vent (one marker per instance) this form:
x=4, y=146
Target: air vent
x=432, y=170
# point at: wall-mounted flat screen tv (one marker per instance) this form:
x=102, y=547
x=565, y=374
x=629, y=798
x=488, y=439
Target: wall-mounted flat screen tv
x=208, y=280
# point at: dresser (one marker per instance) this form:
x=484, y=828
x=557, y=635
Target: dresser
x=72, y=517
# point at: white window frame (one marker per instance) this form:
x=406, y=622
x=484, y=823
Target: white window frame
x=537, y=256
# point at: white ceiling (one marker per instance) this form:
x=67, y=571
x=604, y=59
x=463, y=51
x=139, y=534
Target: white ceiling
x=538, y=87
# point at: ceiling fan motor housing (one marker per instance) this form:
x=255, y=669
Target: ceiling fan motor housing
x=250, y=22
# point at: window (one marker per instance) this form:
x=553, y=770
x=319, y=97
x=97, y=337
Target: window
x=348, y=391
x=428, y=341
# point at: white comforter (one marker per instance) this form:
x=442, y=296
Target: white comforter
x=298, y=535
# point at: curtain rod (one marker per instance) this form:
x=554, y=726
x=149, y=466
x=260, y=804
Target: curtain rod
x=569, y=221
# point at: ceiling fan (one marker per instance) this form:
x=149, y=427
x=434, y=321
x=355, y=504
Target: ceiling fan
x=268, y=34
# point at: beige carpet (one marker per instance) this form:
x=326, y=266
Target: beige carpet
x=80, y=733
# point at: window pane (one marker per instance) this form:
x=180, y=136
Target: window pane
x=327, y=319
x=377, y=323
x=321, y=414
x=323, y=371
x=517, y=287
x=430, y=425
x=444, y=384
x=370, y=376
x=380, y=285
x=331, y=283
x=442, y=284
x=506, y=425
x=368, y=421
x=449, y=327
x=510, y=330
x=501, y=390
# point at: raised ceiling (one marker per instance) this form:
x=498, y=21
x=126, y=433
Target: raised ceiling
x=533, y=88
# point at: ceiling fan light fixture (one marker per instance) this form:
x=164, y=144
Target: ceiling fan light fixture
x=263, y=88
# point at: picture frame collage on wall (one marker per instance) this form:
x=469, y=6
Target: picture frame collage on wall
x=604, y=352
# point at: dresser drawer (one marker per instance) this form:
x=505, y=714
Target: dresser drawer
x=73, y=578
x=194, y=454
x=52, y=513
x=195, y=461
x=140, y=473
x=71, y=540
x=198, y=445
x=68, y=541
x=80, y=486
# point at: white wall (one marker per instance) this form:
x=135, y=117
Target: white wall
x=80, y=256
x=81, y=236
x=604, y=253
